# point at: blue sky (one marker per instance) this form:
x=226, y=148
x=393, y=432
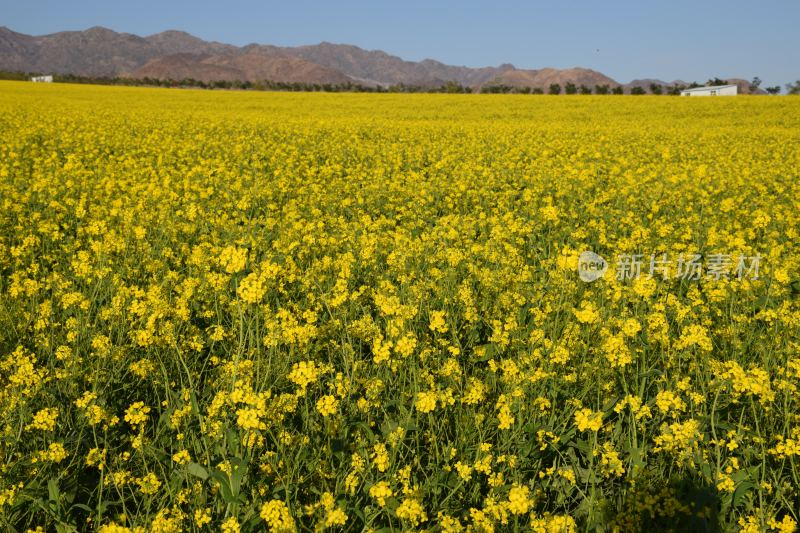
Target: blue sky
x=672, y=39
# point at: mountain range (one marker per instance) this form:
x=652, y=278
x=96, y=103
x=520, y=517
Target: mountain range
x=177, y=55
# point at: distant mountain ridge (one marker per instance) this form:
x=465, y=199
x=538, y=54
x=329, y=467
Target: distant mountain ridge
x=176, y=55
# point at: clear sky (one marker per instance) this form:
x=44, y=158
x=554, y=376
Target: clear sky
x=668, y=39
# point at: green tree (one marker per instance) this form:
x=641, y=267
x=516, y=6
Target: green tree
x=773, y=90
x=453, y=87
x=570, y=88
x=555, y=88
x=755, y=84
x=638, y=90
x=793, y=88
x=716, y=81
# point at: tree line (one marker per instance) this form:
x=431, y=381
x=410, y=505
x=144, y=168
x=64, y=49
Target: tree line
x=449, y=87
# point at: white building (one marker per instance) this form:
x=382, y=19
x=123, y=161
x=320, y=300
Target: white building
x=42, y=79
x=713, y=90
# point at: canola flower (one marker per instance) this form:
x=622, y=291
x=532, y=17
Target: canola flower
x=588, y=420
x=227, y=311
x=327, y=405
x=276, y=514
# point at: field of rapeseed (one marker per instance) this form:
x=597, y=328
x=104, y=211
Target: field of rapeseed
x=232, y=312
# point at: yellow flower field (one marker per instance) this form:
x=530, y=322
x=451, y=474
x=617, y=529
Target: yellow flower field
x=230, y=311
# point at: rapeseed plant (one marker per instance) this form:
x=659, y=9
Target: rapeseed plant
x=243, y=312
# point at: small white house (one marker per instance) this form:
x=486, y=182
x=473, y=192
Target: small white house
x=713, y=90
x=42, y=79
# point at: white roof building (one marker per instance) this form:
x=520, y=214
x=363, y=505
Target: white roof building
x=42, y=79
x=712, y=90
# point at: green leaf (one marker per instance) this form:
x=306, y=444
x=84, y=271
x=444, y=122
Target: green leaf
x=82, y=507
x=582, y=445
x=224, y=486
x=637, y=463
x=197, y=471
x=237, y=477
x=52, y=490
x=363, y=426
x=741, y=492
